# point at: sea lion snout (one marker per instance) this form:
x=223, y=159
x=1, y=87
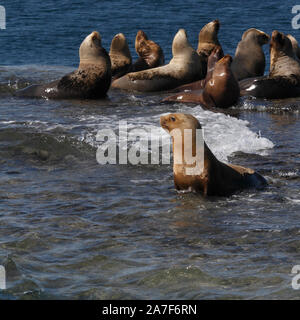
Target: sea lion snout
x=217, y=24
x=95, y=35
x=277, y=37
x=264, y=38
x=226, y=59
x=164, y=120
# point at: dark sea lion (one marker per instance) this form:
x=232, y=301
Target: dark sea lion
x=221, y=91
x=249, y=60
x=207, y=40
x=212, y=177
x=90, y=81
x=283, y=80
x=150, y=53
x=215, y=56
x=184, y=67
x=120, y=56
x=295, y=46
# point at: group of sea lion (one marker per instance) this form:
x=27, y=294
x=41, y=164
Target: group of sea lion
x=202, y=76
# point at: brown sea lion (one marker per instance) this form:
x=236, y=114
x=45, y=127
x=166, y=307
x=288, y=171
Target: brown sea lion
x=249, y=60
x=90, y=81
x=215, y=56
x=184, y=67
x=150, y=53
x=196, y=168
x=207, y=40
x=120, y=56
x=221, y=91
x=294, y=45
x=283, y=80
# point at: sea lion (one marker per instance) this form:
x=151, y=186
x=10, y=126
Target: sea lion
x=249, y=60
x=295, y=46
x=207, y=40
x=120, y=56
x=203, y=173
x=215, y=56
x=283, y=80
x=221, y=91
x=90, y=81
x=184, y=67
x=150, y=53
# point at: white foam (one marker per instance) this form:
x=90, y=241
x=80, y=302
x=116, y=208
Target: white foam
x=224, y=134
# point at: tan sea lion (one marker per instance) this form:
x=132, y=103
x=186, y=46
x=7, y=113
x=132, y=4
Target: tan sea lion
x=249, y=60
x=211, y=177
x=120, y=56
x=215, y=56
x=294, y=45
x=283, y=80
x=184, y=67
x=221, y=91
x=150, y=53
x=207, y=40
x=90, y=81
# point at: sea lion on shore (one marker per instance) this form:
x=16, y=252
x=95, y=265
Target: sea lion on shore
x=283, y=80
x=215, y=56
x=120, y=56
x=196, y=169
x=184, y=67
x=249, y=60
x=221, y=91
x=90, y=81
x=150, y=53
x=207, y=41
x=295, y=46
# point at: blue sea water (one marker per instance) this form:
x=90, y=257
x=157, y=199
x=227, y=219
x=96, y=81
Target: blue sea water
x=72, y=228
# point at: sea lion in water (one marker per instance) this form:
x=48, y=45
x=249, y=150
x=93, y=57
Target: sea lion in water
x=184, y=67
x=295, y=46
x=221, y=91
x=283, y=80
x=215, y=56
x=120, y=56
x=207, y=41
x=150, y=53
x=90, y=81
x=203, y=173
x=249, y=60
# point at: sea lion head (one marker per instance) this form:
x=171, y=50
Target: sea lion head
x=148, y=50
x=119, y=48
x=180, y=43
x=222, y=66
x=209, y=33
x=90, y=49
x=295, y=46
x=208, y=39
x=140, y=37
x=257, y=35
x=180, y=121
x=280, y=46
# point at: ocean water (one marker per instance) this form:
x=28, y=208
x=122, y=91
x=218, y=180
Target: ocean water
x=71, y=228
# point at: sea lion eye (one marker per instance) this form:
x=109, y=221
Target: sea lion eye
x=173, y=118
